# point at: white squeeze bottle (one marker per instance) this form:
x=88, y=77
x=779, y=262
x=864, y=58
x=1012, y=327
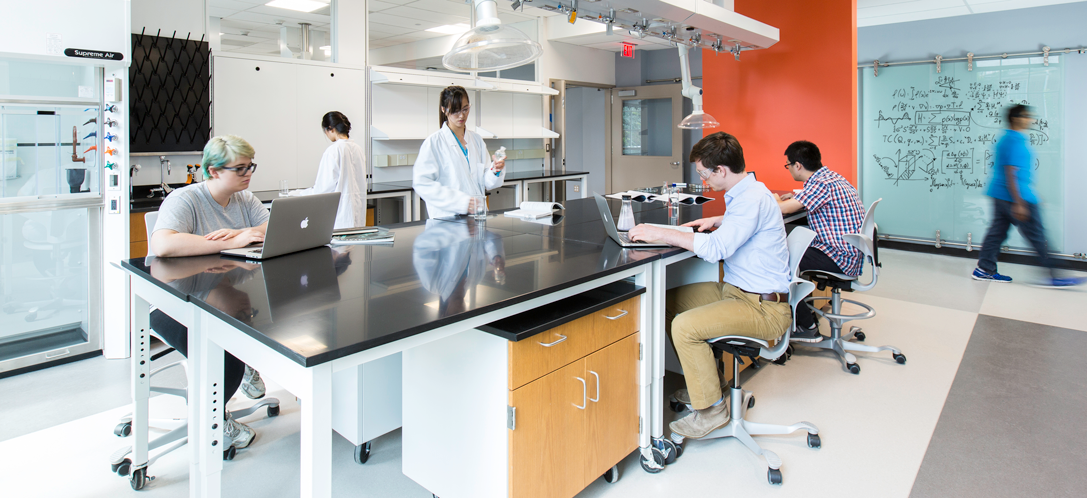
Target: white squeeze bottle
x=499, y=155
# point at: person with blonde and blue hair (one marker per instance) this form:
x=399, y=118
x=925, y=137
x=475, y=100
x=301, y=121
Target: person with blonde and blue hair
x=205, y=218
x=216, y=214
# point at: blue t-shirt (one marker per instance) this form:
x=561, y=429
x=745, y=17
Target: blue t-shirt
x=1012, y=148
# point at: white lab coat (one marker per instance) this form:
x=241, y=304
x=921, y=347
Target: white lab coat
x=445, y=180
x=447, y=255
x=343, y=169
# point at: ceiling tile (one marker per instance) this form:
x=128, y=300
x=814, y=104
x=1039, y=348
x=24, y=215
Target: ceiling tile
x=412, y=24
x=445, y=7
x=378, y=6
x=417, y=14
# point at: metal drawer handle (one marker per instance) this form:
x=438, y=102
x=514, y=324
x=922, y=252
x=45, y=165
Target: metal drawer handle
x=597, y=387
x=552, y=343
x=616, y=317
x=584, y=394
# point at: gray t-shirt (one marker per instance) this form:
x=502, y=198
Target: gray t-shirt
x=192, y=209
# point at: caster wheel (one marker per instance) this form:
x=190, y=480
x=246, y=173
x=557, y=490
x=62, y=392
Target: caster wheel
x=230, y=453
x=774, y=476
x=679, y=449
x=676, y=406
x=658, y=460
x=612, y=475
x=139, y=478
x=854, y=368
x=900, y=358
x=668, y=448
x=123, y=429
x=273, y=410
x=751, y=403
x=859, y=336
x=362, y=453
x=123, y=468
x=814, y=441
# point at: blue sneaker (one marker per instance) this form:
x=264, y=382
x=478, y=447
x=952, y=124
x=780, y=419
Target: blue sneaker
x=1061, y=283
x=985, y=276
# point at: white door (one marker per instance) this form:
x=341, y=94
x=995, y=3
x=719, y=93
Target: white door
x=646, y=144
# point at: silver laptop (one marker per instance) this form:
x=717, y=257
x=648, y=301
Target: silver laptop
x=609, y=225
x=295, y=224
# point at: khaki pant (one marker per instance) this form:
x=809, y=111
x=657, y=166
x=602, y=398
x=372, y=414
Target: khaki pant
x=696, y=312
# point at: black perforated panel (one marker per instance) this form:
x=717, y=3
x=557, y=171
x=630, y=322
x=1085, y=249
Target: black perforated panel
x=170, y=94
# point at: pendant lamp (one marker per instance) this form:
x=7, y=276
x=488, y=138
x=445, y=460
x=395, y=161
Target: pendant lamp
x=490, y=46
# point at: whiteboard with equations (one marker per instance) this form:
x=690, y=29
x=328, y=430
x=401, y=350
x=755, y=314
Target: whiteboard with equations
x=927, y=145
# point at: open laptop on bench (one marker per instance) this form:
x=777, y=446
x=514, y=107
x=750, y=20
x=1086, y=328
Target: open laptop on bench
x=295, y=224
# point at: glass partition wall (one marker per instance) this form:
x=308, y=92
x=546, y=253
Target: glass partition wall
x=51, y=157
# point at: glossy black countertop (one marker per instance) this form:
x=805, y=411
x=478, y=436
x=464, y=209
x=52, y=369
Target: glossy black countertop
x=319, y=305
x=541, y=173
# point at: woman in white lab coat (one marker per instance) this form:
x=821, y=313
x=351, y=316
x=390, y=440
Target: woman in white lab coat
x=342, y=170
x=453, y=163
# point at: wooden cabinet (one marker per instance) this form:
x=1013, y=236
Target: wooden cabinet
x=532, y=358
x=546, y=448
x=137, y=236
x=613, y=405
x=580, y=417
x=492, y=413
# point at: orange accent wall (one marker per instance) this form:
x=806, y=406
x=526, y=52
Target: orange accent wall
x=802, y=88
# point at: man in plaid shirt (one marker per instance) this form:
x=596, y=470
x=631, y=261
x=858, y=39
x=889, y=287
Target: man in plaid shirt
x=834, y=209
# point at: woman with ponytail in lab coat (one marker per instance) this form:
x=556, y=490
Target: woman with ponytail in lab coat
x=453, y=163
x=341, y=170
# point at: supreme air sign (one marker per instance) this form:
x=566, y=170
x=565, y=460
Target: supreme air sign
x=93, y=54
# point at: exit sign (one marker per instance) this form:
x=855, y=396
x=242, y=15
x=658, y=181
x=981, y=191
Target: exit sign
x=628, y=50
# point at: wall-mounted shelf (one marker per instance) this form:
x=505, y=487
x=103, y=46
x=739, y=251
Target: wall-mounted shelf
x=398, y=76
x=530, y=87
x=378, y=134
x=543, y=133
x=382, y=77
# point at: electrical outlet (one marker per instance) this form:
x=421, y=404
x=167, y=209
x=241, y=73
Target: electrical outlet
x=577, y=188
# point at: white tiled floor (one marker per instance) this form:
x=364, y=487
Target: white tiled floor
x=875, y=426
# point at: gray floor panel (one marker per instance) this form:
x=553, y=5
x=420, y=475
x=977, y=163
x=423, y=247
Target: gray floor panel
x=1010, y=424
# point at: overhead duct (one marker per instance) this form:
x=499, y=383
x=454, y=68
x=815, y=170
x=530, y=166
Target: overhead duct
x=695, y=23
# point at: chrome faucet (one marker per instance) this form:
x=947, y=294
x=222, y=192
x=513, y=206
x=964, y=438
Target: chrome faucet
x=163, y=162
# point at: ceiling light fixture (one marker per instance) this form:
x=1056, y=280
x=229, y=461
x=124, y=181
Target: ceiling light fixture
x=451, y=29
x=297, y=5
x=698, y=119
x=490, y=46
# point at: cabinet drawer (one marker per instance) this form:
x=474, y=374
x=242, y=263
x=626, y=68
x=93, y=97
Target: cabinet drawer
x=546, y=352
x=615, y=322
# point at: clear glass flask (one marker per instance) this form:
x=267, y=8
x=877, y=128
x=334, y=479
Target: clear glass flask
x=626, y=215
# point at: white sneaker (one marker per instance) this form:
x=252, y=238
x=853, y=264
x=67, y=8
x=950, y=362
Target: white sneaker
x=241, y=435
x=252, y=384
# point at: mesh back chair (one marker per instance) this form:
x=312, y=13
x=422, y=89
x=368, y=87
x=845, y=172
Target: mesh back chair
x=177, y=428
x=741, y=346
x=866, y=242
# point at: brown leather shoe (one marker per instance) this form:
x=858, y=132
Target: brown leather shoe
x=702, y=422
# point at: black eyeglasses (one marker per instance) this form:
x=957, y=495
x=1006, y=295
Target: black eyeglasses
x=242, y=170
x=787, y=166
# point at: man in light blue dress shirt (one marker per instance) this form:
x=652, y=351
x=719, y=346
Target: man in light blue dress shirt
x=752, y=301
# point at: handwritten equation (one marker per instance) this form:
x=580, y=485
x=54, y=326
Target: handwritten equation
x=939, y=134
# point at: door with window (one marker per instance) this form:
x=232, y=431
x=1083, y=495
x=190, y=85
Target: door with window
x=647, y=147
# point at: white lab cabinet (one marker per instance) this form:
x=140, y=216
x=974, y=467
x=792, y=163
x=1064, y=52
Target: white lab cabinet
x=277, y=107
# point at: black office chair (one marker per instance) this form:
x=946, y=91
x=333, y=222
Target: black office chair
x=866, y=242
